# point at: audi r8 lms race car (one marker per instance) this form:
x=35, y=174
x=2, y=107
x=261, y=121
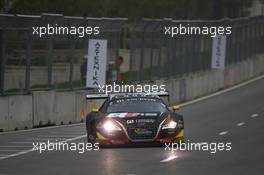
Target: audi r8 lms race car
x=126, y=119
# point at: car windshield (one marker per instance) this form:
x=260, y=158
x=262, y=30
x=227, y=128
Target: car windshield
x=136, y=105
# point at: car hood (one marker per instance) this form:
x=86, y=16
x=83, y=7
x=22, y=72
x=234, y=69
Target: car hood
x=126, y=115
x=148, y=117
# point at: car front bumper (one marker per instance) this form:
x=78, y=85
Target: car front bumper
x=104, y=140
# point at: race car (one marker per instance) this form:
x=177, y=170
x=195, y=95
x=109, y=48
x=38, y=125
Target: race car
x=125, y=119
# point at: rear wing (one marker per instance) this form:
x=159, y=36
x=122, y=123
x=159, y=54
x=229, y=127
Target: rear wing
x=96, y=96
x=120, y=95
x=160, y=94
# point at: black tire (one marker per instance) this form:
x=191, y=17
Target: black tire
x=90, y=127
x=91, y=137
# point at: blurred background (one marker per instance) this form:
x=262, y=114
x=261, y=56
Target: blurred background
x=54, y=62
x=134, y=10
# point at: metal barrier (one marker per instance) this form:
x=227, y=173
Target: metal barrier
x=157, y=56
x=30, y=62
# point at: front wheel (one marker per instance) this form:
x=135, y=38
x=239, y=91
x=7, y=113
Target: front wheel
x=91, y=137
x=90, y=127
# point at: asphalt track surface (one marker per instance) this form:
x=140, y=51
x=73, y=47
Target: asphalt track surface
x=236, y=116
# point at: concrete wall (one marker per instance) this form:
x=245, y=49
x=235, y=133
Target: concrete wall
x=16, y=112
x=53, y=107
x=64, y=108
x=43, y=107
x=4, y=113
x=20, y=112
x=203, y=83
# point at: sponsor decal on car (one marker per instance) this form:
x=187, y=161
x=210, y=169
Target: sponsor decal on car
x=130, y=114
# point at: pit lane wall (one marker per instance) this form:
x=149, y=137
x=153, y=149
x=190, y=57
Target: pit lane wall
x=56, y=108
x=199, y=84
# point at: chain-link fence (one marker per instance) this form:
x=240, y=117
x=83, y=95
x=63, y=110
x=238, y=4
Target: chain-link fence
x=31, y=62
x=155, y=55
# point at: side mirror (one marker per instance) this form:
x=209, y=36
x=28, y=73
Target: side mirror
x=95, y=110
x=175, y=107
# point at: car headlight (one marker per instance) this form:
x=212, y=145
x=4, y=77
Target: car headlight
x=170, y=125
x=111, y=126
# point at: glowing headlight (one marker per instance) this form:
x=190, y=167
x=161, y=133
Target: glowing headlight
x=110, y=126
x=170, y=125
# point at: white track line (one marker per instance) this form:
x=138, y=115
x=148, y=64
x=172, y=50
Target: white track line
x=16, y=154
x=68, y=133
x=241, y=124
x=223, y=133
x=22, y=142
x=1, y=155
x=15, y=146
x=223, y=91
x=37, y=129
x=254, y=115
x=10, y=150
x=72, y=130
x=31, y=150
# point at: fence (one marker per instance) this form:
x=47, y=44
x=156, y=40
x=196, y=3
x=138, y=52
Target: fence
x=157, y=56
x=30, y=62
